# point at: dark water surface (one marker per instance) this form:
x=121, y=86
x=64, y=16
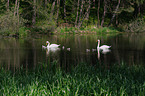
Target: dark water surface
x=28, y=53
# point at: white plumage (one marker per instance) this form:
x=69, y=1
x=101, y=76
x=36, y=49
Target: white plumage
x=103, y=47
x=51, y=45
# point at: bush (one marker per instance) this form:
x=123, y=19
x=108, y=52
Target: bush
x=23, y=32
x=45, y=25
x=9, y=24
x=135, y=26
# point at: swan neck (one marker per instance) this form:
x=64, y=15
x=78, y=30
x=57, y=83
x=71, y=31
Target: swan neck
x=98, y=44
x=47, y=44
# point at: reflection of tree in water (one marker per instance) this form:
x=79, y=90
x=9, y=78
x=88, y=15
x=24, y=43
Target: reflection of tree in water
x=130, y=47
x=10, y=54
x=16, y=54
x=52, y=54
x=28, y=53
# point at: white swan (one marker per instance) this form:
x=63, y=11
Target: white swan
x=68, y=49
x=44, y=47
x=52, y=45
x=103, y=47
x=87, y=50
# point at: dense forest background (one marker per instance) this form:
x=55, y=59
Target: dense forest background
x=18, y=15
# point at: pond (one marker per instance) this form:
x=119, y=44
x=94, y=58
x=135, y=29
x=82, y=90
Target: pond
x=28, y=53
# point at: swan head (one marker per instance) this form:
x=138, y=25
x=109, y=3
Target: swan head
x=98, y=40
x=47, y=43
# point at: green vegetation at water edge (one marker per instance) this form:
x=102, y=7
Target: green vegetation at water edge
x=83, y=79
x=88, y=29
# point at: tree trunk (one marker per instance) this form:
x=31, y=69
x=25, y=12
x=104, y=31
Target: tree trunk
x=58, y=4
x=34, y=13
x=114, y=13
x=93, y=3
x=64, y=10
x=18, y=16
x=81, y=10
x=88, y=10
x=16, y=11
x=8, y=5
x=86, y=15
x=104, y=13
x=139, y=10
x=116, y=23
x=52, y=11
x=98, y=13
x=45, y=3
x=77, y=13
x=15, y=7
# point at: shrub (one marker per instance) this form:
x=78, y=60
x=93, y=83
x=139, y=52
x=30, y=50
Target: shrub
x=23, y=32
x=45, y=25
x=135, y=26
x=9, y=24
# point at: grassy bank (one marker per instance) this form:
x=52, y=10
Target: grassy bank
x=24, y=32
x=81, y=80
x=85, y=30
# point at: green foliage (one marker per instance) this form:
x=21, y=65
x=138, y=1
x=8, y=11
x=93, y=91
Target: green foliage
x=23, y=32
x=66, y=30
x=46, y=25
x=88, y=29
x=135, y=26
x=9, y=24
x=83, y=79
x=46, y=17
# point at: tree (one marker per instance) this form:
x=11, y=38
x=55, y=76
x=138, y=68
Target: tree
x=58, y=5
x=83, y=14
x=8, y=5
x=34, y=13
x=98, y=13
x=78, y=4
x=86, y=15
x=64, y=10
x=52, y=11
x=114, y=14
x=104, y=13
x=15, y=7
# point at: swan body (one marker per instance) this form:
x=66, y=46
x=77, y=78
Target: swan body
x=93, y=50
x=51, y=45
x=63, y=47
x=103, y=47
x=44, y=47
x=68, y=49
x=87, y=50
x=105, y=51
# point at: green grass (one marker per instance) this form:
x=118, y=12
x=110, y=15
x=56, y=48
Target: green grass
x=83, y=79
x=88, y=29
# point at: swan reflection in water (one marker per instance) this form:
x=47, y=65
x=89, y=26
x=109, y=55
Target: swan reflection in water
x=104, y=51
x=52, y=50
